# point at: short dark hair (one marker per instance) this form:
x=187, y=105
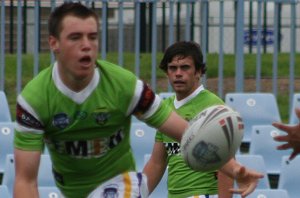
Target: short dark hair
x=68, y=9
x=184, y=49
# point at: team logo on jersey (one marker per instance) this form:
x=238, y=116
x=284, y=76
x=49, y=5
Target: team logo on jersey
x=101, y=115
x=81, y=115
x=61, y=120
x=26, y=119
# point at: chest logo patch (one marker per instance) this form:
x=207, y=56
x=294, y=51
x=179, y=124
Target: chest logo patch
x=101, y=116
x=61, y=120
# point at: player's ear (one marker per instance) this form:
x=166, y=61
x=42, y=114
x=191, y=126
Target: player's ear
x=53, y=44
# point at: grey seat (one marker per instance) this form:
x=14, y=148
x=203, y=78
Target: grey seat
x=45, y=176
x=6, y=142
x=5, y=115
x=142, y=139
x=255, y=109
x=289, y=178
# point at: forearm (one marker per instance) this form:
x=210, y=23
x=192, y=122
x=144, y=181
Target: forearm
x=224, y=184
x=228, y=168
x=174, y=130
x=154, y=173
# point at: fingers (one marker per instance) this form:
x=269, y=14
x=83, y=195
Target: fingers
x=282, y=127
x=244, y=191
x=284, y=146
x=249, y=190
x=293, y=155
x=281, y=138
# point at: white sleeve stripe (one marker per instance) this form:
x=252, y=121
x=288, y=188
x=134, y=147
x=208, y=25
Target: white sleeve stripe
x=137, y=94
x=27, y=107
x=152, y=109
x=23, y=129
x=21, y=101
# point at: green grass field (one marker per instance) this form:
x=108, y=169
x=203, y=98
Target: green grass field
x=145, y=71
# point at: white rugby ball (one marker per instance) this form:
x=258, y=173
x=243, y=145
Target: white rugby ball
x=212, y=138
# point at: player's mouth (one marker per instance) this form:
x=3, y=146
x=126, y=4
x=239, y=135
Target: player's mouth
x=85, y=61
x=178, y=82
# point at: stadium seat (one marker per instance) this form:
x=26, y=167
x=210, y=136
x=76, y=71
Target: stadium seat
x=142, y=139
x=5, y=115
x=161, y=190
x=267, y=193
x=49, y=192
x=6, y=142
x=45, y=176
x=263, y=144
x=4, y=192
x=289, y=178
x=255, y=109
x=293, y=119
x=255, y=162
x=164, y=95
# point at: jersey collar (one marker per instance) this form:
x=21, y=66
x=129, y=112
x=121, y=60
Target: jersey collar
x=78, y=97
x=180, y=103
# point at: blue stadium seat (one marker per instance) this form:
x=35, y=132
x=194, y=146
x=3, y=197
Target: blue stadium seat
x=267, y=193
x=4, y=193
x=49, y=192
x=255, y=109
x=161, y=190
x=142, y=139
x=6, y=142
x=293, y=119
x=289, y=178
x=5, y=115
x=45, y=176
x=255, y=162
x=263, y=144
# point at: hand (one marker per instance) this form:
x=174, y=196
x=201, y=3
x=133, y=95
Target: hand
x=246, y=179
x=292, y=137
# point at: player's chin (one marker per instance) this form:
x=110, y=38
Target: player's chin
x=178, y=87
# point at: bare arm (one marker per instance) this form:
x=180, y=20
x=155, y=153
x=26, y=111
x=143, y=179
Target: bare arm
x=247, y=179
x=26, y=166
x=174, y=130
x=155, y=167
x=224, y=184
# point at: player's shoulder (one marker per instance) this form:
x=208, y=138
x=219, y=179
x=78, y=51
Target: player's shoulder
x=113, y=70
x=209, y=96
x=41, y=81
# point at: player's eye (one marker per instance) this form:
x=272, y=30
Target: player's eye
x=185, y=67
x=172, y=68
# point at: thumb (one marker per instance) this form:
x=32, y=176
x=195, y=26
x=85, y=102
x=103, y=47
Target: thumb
x=239, y=172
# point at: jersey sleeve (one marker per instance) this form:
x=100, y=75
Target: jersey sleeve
x=29, y=130
x=158, y=137
x=148, y=106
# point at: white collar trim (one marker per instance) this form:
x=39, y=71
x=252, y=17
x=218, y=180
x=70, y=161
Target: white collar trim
x=77, y=97
x=179, y=103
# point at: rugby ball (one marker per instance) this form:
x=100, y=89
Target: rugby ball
x=212, y=138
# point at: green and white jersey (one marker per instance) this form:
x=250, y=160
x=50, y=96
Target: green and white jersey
x=86, y=132
x=183, y=181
